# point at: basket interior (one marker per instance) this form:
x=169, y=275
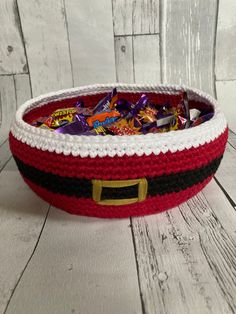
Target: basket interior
x=91, y=101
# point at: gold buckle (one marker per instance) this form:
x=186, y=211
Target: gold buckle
x=98, y=185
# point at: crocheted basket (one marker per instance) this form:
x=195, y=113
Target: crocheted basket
x=117, y=176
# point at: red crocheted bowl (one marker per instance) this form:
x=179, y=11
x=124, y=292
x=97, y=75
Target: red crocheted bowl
x=117, y=176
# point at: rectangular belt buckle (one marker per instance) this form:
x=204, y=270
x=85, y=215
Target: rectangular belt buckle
x=98, y=185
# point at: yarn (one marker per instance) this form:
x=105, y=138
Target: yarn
x=60, y=168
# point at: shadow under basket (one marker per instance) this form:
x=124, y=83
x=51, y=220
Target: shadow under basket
x=117, y=176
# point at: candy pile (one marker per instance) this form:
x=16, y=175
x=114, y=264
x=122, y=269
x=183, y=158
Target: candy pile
x=120, y=117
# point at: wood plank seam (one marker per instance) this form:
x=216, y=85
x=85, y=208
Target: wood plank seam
x=11, y=74
x=217, y=232
x=137, y=266
x=214, y=47
x=5, y=164
x=160, y=40
x=32, y=254
x=31, y=93
x=114, y=42
x=207, y=257
x=68, y=39
x=133, y=59
x=131, y=35
x=23, y=41
x=232, y=203
x=226, y=80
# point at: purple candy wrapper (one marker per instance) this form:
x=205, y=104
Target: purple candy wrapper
x=141, y=103
x=77, y=127
x=107, y=103
x=79, y=104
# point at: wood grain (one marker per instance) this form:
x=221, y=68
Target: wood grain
x=135, y=17
x=188, y=33
x=12, y=55
x=124, y=59
x=7, y=105
x=23, y=88
x=226, y=173
x=227, y=97
x=225, y=43
x=91, y=41
x=186, y=259
x=81, y=265
x=46, y=43
x=5, y=154
x=232, y=139
x=21, y=219
x=146, y=59
x=137, y=59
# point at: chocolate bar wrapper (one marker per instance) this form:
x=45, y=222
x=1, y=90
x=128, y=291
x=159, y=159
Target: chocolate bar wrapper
x=148, y=114
x=98, y=131
x=123, y=106
x=107, y=103
x=77, y=127
x=202, y=119
x=103, y=118
x=186, y=110
x=124, y=127
x=141, y=103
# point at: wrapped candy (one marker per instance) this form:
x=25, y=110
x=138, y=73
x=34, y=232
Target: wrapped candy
x=123, y=106
x=98, y=131
x=124, y=127
x=121, y=117
x=60, y=117
x=148, y=114
x=107, y=102
x=194, y=114
x=78, y=126
x=134, y=110
x=103, y=118
x=202, y=119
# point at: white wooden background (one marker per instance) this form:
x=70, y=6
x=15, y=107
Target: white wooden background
x=181, y=261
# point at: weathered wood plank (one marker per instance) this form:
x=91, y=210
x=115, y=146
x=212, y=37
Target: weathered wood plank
x=227, y=97
x=44, y=29
x=21, y=218
x=232, y=138
x=146, y=59
x=90, y=30
x=81, y=265
x=7, y=105
x=186, y=257
x=136, y=17
x=124, y=59
x=226, y=173
x=188, y=32
x=225, y=41
x=224, y=211
x=5, y=154
x=23, y=88
x=12, y=55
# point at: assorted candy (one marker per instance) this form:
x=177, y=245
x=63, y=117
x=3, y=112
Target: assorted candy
x=118, y=116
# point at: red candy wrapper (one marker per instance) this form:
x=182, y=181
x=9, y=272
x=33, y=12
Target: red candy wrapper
x=202, y=119
x=124, y=127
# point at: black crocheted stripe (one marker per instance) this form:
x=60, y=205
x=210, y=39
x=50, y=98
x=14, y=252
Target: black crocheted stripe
x=83, y=187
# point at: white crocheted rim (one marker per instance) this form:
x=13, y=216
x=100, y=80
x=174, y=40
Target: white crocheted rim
x=118, y=145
